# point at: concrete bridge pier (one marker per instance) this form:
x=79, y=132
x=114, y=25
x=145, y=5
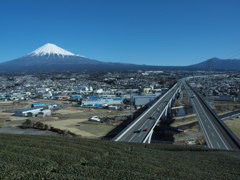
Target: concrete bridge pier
x=165, y=114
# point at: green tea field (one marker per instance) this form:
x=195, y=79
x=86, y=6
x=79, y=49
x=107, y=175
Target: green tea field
x=44, y=157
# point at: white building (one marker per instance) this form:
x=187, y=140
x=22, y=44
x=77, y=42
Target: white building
x=31, y=112
x=44, y=113
x=82, y=89
x=95, y=119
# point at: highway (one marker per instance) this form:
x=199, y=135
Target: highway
x=143, y=125
x=215, y=135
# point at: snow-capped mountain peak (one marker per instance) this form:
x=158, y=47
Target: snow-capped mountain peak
x=51, y=49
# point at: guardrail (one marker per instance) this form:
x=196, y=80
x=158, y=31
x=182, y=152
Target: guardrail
x=165, y=109
x=125, y=130
x=230, y=136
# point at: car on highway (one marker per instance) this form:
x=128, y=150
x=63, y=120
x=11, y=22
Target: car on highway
x=137, y=131
x=193, y=96
x=145, y=129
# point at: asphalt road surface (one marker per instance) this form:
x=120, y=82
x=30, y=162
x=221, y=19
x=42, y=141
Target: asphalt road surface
x=139, y=129
x=212, y=133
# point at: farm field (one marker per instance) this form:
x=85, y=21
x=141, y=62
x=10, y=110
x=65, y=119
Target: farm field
x=47, y=157
x=76, y=120
x=25, y=104
x=234, y=125
x=222, y=107
x=73, y=119
x=82, y=127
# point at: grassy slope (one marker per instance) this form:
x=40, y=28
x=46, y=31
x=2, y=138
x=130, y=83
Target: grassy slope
x=44, y=157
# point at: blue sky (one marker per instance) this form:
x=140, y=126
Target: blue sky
x=154, y=32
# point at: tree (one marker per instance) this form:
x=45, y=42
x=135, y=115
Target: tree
x=27, y=124
x=39, y=125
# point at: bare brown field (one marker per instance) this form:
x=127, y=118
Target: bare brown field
x=190, y=130
x=9, y=119
x=6, y=105
x=222, y=107
x=184, y=121
x=75, y=119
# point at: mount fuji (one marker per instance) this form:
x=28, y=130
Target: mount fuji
x=51, y=58
x=51, y=49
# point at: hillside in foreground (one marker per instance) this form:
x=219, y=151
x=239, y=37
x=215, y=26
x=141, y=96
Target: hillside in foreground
x=45, y=157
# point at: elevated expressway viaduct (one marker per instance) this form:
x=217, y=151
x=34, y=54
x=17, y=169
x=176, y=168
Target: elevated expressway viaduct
x=216, y=133
x=141, y=129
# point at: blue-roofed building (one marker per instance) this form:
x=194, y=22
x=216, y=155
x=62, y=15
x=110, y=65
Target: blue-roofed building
x=102, y=101
x=117, y=98
x=76, y=97
x=40, y=104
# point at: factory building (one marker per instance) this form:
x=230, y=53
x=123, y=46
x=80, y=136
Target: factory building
x=44, y=113
x=42, y=105
x=96, y=101
x=142, y=100
x=31, y=112
x=82, y=89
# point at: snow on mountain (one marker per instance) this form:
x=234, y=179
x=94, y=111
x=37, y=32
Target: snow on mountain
x=51, y=58
x=51, y=49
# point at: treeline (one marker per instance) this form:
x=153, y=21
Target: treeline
x=41, y=126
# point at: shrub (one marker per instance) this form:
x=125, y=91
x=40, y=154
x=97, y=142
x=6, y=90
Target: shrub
x=39, y=125
x=27, y=124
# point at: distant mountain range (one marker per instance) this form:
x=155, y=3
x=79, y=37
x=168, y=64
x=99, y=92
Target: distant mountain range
x=51, y=58
x=217, y=64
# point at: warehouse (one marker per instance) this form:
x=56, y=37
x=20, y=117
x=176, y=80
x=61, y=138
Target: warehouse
x=31, y=112
x=44, y=113
x=142, y=100
x=101, y=101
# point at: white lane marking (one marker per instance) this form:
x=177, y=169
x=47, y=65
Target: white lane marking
x=212, y=134
x=212, y=124
x=154, y=124
x=156, y=103
x=205, y=132
x=218, y=145
x=139, y=134
x=142, y=127
x=153, y=113
x=151, y=129
x=203, y=127
x=132, y=137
